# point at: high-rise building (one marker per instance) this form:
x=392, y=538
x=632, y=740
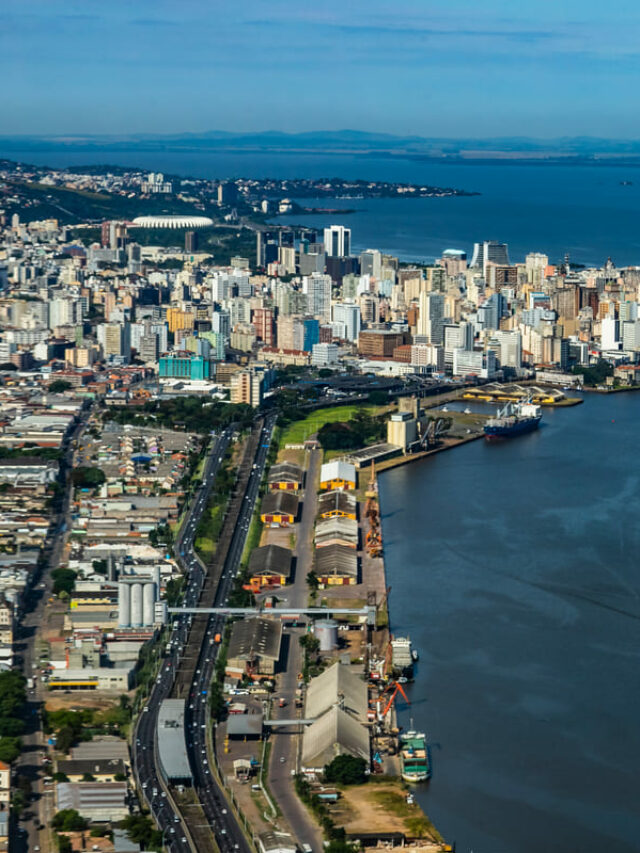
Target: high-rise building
x=348, y=315
x=431, y=317
x=317, y=288
x=247, y=386
x=263, y=322
x=337, y=241
x=489, y=251
x=182, y=364
x=191, y=241
x=371, y=263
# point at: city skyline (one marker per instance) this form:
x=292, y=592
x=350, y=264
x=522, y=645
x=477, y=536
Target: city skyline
x=446, y=71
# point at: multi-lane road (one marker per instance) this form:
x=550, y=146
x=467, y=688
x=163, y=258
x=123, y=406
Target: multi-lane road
x=192, y=656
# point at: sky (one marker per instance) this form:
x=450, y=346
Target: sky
x=444, y=68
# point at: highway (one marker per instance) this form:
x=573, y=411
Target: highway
x=188, y=670
x=144, y=756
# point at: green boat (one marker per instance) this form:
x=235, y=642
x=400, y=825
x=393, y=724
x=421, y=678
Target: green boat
x=414, y=757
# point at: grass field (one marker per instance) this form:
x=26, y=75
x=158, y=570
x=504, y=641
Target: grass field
x=297, y=432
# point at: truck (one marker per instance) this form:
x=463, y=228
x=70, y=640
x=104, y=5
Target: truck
x=30, y=683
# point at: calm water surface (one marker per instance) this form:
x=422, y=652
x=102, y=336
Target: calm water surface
x=514, y=569
x=557, y=209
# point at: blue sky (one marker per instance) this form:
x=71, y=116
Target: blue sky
x=435, y=68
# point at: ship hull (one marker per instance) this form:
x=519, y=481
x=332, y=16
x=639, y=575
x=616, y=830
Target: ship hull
x=520, y=427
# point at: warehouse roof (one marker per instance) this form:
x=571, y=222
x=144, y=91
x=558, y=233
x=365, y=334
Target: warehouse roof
x=337, y=685
x=274, y=503
x=334, y=733
x=345, y=528
x=276, y=842
x=105, y=767
x=271, y=558
x=336, y=560
x=336, y=500
x=84, y=796
x=285, y=472
x=101, y=749
x=337, y=469
x=252, y=637
x=244, y=725
x=172, y=748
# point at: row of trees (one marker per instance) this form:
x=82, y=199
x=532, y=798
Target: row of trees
x=13, y=703
x=360, y=431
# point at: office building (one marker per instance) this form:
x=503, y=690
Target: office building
x=337, y=241
x=317, y=288
x=347, y=315
x=184, y=365
x=431, y=317
x=487, y=252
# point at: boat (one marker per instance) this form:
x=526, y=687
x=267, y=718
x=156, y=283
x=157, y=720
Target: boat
x=415, y=657
x=467, y=411
x=415, y=761
x=514, y=419
x=444, y=409
x=401, y=658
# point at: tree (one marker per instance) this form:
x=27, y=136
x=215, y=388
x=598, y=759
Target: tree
x=7, y=365
x=10, y=749
x=312, y=581
x=59, y=776
x=87, y=477
x=88, y=777
x=58, y=386
x=63, y=580
x=346, y=770
x=65, y=739
x=64, y=844
x=69, y=820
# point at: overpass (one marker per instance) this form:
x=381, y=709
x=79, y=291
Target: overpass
x=316, y=612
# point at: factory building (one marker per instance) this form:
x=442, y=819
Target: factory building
x=337, y=504
x=279, y=509
x=286, y=477
x=268, y=566
x=336, y=565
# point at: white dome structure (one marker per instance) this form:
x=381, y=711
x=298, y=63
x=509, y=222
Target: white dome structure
x=172, y=222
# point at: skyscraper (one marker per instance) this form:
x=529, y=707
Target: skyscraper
x=431, y=316
x=337, y=241
x=489, y=251
x=317, y=287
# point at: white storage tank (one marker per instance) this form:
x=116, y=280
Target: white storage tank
x=124, y=605
x=326, y=631
x=136, y=605
x=149, y=599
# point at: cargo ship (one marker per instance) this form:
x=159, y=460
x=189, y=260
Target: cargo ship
x=514, y=419
x=415, y=762
x=401, y=658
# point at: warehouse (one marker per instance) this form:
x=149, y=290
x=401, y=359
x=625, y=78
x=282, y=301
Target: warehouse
x=337, y=475
x=102, y=771
x=337, y=685
x=269, y=565
x=334, y=733
x=337, y=531
x=336, y=565
x=279, y=509
x=97, y=801
x=254, y=648
x=286, y=477
x=337, y=504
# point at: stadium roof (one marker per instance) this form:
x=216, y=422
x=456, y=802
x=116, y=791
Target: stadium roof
x=173, y=222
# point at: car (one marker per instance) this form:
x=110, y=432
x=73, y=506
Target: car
x=146, y=707
x=183, y=839
x=224, y=811
x=164, y=794
x=282, y=759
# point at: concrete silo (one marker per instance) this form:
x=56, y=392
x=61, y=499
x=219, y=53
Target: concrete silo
x=124, y=605
x=149, y=599
x=136, y=605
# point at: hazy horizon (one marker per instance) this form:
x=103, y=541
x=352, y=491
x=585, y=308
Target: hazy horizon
x=454, y=70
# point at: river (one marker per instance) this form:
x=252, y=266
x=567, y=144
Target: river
x=514, y=569
x=590, y=212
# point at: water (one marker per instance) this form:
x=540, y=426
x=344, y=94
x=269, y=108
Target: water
x=514, y=569
x=557, y=209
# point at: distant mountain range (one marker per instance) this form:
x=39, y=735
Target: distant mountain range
x=356, y=141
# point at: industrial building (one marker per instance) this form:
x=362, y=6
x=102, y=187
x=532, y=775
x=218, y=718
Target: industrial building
x=285, y=476
x=172, y=748
x=337, y=702
x=102, y=802
x=92, y=678
x=336, y=565
x=254, y=648
x=336, y=531
x=269, y=565
x=279, y=509
x=337, y=504
x=102, y=771
x=337, y=474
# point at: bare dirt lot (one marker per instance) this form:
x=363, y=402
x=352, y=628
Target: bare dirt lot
x=382, y=807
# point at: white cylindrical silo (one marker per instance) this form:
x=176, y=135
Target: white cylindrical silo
x=149, y=598
x=136, y=605
x=124, y=605
x=326, y=632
